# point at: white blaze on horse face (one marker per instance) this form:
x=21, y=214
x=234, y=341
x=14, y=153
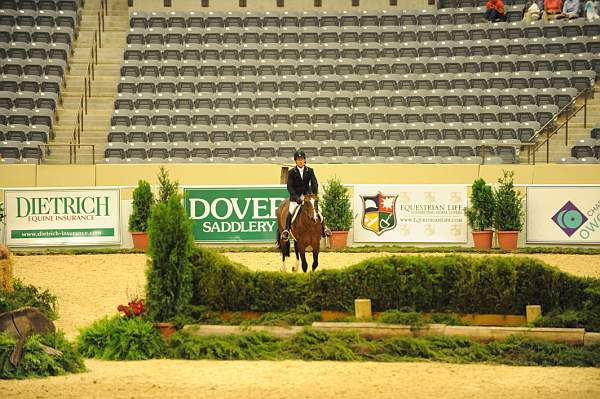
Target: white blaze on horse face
x=312, y=202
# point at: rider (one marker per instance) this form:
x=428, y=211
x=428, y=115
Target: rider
x=301, y=181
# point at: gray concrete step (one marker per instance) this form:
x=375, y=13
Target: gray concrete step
x=111, y=22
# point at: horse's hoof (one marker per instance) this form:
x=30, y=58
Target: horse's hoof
x=294, y=269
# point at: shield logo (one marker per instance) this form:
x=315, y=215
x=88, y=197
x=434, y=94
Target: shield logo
x=379, y=213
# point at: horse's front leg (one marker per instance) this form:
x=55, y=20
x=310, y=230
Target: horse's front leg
x=315, y=253
x=303, y=257
x=297, y=253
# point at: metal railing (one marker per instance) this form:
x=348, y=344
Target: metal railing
x=72, y=150
x=92, y=61
x=545, y=133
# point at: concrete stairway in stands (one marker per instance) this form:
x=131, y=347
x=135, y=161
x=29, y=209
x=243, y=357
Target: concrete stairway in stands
x=558, y=149
x=103, y=87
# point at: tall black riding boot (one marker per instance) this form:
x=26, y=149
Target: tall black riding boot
x=285, y=234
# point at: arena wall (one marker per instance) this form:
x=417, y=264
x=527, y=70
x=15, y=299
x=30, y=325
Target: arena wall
x=126, y=177
x=219, y=174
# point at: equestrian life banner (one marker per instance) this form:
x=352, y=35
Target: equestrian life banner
x=410, y=213
x=62, y=217
x=563, y=214
x=235, y=213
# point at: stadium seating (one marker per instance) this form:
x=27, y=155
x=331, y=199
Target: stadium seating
x=410, y=86
x=36, y=39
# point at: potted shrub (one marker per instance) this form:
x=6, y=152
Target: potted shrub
x=480, y=214
x=508, y=212
x=337, y=212
x=143, y=200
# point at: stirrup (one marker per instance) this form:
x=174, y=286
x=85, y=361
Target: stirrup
x=285, y=235
x=327, y=231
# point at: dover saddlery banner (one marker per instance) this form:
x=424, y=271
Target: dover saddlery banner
x=62, y=217
x=410, y=213
x=234, y=214
x=563, y=214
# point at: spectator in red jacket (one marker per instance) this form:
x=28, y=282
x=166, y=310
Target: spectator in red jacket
x=553, y=8
x=495, y=11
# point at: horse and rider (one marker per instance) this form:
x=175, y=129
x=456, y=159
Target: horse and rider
x=299, y=217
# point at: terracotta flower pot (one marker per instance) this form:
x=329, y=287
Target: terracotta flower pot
x=508, y=239
x=165, y=329
x=483, y=239
x=338, y=239
x=140, y=240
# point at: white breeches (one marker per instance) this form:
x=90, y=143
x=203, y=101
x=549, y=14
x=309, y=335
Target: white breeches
x=293, y=206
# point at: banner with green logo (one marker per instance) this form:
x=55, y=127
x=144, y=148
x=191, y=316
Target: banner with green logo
x=234, y=214
x=62, y=217
x=563, y=214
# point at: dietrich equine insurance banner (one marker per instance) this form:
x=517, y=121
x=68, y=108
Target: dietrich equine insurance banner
x=62, y=217
x=563, y=214
x=410, y=213
x=234, y=214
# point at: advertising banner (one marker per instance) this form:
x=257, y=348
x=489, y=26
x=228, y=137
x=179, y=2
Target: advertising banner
x=62, y=217
x=234, y=214
x=410, y=213
x=563, y=214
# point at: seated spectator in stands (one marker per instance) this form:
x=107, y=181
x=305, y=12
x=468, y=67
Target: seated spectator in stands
x=532, y=10
x=571, y=9
x=553, y=8
x=495, y=11
x=590, y=11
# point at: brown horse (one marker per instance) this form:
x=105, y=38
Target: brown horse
x=306, y=232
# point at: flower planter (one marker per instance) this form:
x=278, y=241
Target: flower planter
x=483, y=239
x=140, y=240
x=507, y=239
x=338, y=239
x=165, y=329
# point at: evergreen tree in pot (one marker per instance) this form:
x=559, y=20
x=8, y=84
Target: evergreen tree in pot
x=143, y=200
x=337, y=212
x=508, y=212
x=480, y=214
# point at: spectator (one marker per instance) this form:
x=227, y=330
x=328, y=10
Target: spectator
x=591, y=11
x=571, y=9
x=532, y=11
x=553, y=8
x=495, y=11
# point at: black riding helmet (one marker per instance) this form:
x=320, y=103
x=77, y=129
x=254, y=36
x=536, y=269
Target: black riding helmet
x=299, y=154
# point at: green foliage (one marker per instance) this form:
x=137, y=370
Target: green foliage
x=166, y=188
x=28, y=295
x=121, y=338
x=37, y=363
x=508, y=210
x=316, y=345
x=301, y=316
x=447, y=284
x=229, y=347
x=566, y=319
x=416, y=319
x=143, y=200
x=336, y=207
x=480, y=214
x=169, y=272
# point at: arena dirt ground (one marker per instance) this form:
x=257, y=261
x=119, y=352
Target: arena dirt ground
x=91, y=286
